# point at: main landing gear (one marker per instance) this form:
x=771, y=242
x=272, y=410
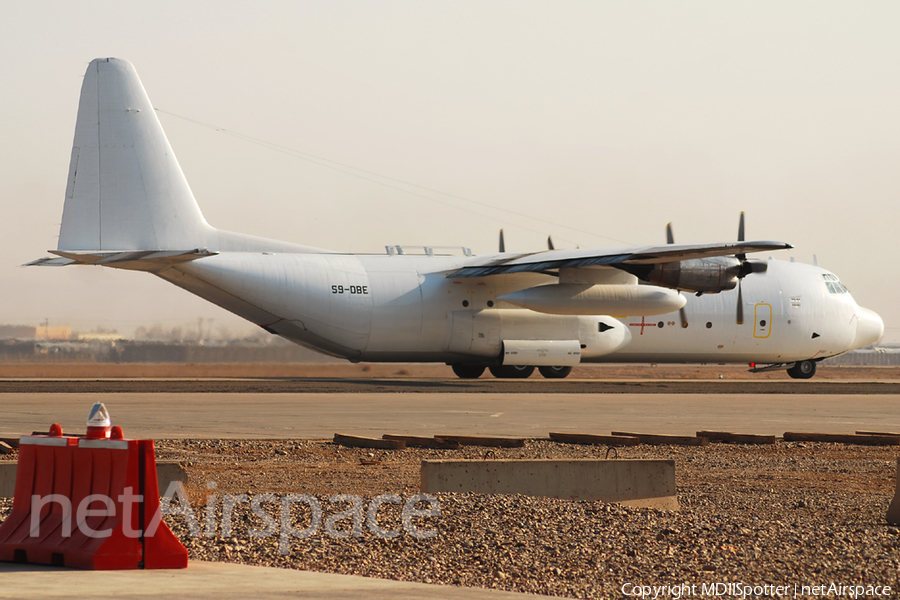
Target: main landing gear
x=802, y=369
x=464, y=371
x=555, y=372
x=511, y=372
x=474, y=371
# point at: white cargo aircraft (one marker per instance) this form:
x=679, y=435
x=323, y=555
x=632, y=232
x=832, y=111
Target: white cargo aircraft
x=128, y=206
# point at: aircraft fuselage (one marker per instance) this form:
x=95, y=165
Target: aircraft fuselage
x=406, y=308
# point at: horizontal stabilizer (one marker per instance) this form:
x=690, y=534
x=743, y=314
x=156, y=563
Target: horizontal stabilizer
x=49, y=261
x=138, y=260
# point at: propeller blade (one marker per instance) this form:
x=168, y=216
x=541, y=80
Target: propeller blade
x=740, y=304
x=670, y=238
x=741, y=256
x=550, y=243
x=502, y=243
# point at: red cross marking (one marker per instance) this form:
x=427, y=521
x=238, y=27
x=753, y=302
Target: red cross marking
x=642, y=324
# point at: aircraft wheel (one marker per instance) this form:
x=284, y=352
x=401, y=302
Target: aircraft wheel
x=802, y=369
x=511, y=371
x=555, y=372
x=466, y=371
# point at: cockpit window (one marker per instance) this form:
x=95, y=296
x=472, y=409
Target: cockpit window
x=834, y=284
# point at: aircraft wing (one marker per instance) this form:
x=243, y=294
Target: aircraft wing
x=549, y=260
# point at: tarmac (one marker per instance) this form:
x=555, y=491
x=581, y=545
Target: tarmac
x=320, y=416
x=214, y=581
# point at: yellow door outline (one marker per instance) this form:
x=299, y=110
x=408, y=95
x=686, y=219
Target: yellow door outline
x=759, y=330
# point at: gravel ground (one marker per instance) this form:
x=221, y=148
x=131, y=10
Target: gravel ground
x=793, y=513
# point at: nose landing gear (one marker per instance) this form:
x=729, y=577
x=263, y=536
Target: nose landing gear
x=802, y=369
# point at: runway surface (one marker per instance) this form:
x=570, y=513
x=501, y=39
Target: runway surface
x=320, y=415
x=327, y=385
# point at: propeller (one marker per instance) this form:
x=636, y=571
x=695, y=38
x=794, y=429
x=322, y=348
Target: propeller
x=670, y=239
x=502, y=243
x=743, y=258
x=550, y=243
x=747, y=267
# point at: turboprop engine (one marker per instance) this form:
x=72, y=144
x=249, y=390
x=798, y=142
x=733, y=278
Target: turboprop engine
x=712, y=275
x=600, y=299
x=706, y=275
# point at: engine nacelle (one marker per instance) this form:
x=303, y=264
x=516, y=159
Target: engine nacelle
x=709, y=275
x=603, y=299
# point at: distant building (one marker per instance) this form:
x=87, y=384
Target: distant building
x=887, y=355
x=17, y=332
x=43, y=332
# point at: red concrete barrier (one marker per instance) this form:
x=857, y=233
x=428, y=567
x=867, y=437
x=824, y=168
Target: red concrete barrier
x=88, y=503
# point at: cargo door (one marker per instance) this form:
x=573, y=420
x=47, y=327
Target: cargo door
x=475, y=333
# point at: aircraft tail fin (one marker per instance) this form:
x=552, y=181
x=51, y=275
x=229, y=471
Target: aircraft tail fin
x=125, y=190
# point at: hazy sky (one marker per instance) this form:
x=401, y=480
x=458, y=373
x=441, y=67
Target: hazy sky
x=596, y=122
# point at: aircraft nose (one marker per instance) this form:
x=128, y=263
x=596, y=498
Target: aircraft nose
x=869, y=328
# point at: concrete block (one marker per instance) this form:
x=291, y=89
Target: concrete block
x=893, y=513
x=166, y=472
x=7, y=479
x=641, y=483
